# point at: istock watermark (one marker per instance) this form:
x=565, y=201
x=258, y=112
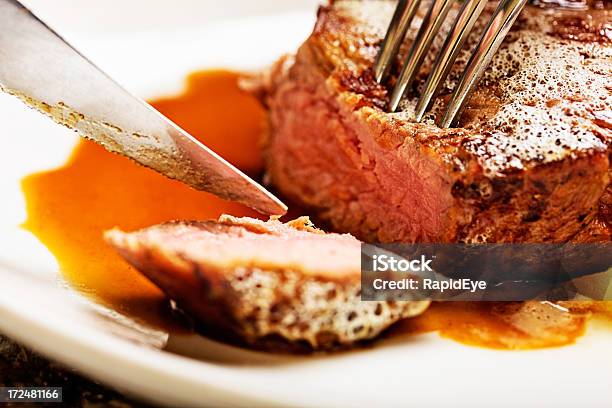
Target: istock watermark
x=383, y=263
x=489, y=272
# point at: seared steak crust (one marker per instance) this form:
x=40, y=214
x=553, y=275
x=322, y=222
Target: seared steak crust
x=529, y=162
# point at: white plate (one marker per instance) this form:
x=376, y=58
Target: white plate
x=39, y=310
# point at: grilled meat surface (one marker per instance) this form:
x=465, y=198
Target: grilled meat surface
x=529, y=162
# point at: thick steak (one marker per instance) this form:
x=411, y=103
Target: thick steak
x=529, y=162
x=263, y=280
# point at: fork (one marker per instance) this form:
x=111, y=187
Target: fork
x=500, y=23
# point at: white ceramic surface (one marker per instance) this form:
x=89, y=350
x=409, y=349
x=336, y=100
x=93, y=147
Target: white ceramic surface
x=38, y=309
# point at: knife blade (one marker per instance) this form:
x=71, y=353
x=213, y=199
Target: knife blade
x=45, y=72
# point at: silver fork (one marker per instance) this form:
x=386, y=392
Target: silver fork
x=502, y=19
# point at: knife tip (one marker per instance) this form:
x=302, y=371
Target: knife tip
x=271, y=205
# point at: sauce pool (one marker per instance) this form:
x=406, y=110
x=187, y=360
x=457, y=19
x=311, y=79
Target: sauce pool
x=69, y=208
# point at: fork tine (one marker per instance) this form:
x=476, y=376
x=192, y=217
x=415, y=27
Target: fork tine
x=402, y=17
x=429, y=28
x=499, y=25
x=467, y=16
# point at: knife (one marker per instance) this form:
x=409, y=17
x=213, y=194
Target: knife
x=46, y=73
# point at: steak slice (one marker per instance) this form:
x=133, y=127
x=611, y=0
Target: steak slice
x=528, y=163
x=263, y=279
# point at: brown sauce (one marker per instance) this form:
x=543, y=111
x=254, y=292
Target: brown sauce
x=507, y=325
x=69, y=208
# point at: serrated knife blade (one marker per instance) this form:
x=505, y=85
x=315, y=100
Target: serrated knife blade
x=48, y=74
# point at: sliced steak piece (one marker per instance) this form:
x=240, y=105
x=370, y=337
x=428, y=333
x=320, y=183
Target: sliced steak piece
x=263, y=279
x=528, y=163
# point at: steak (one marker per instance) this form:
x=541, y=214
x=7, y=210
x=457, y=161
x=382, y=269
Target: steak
x=263, y=280
x=529, y=161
